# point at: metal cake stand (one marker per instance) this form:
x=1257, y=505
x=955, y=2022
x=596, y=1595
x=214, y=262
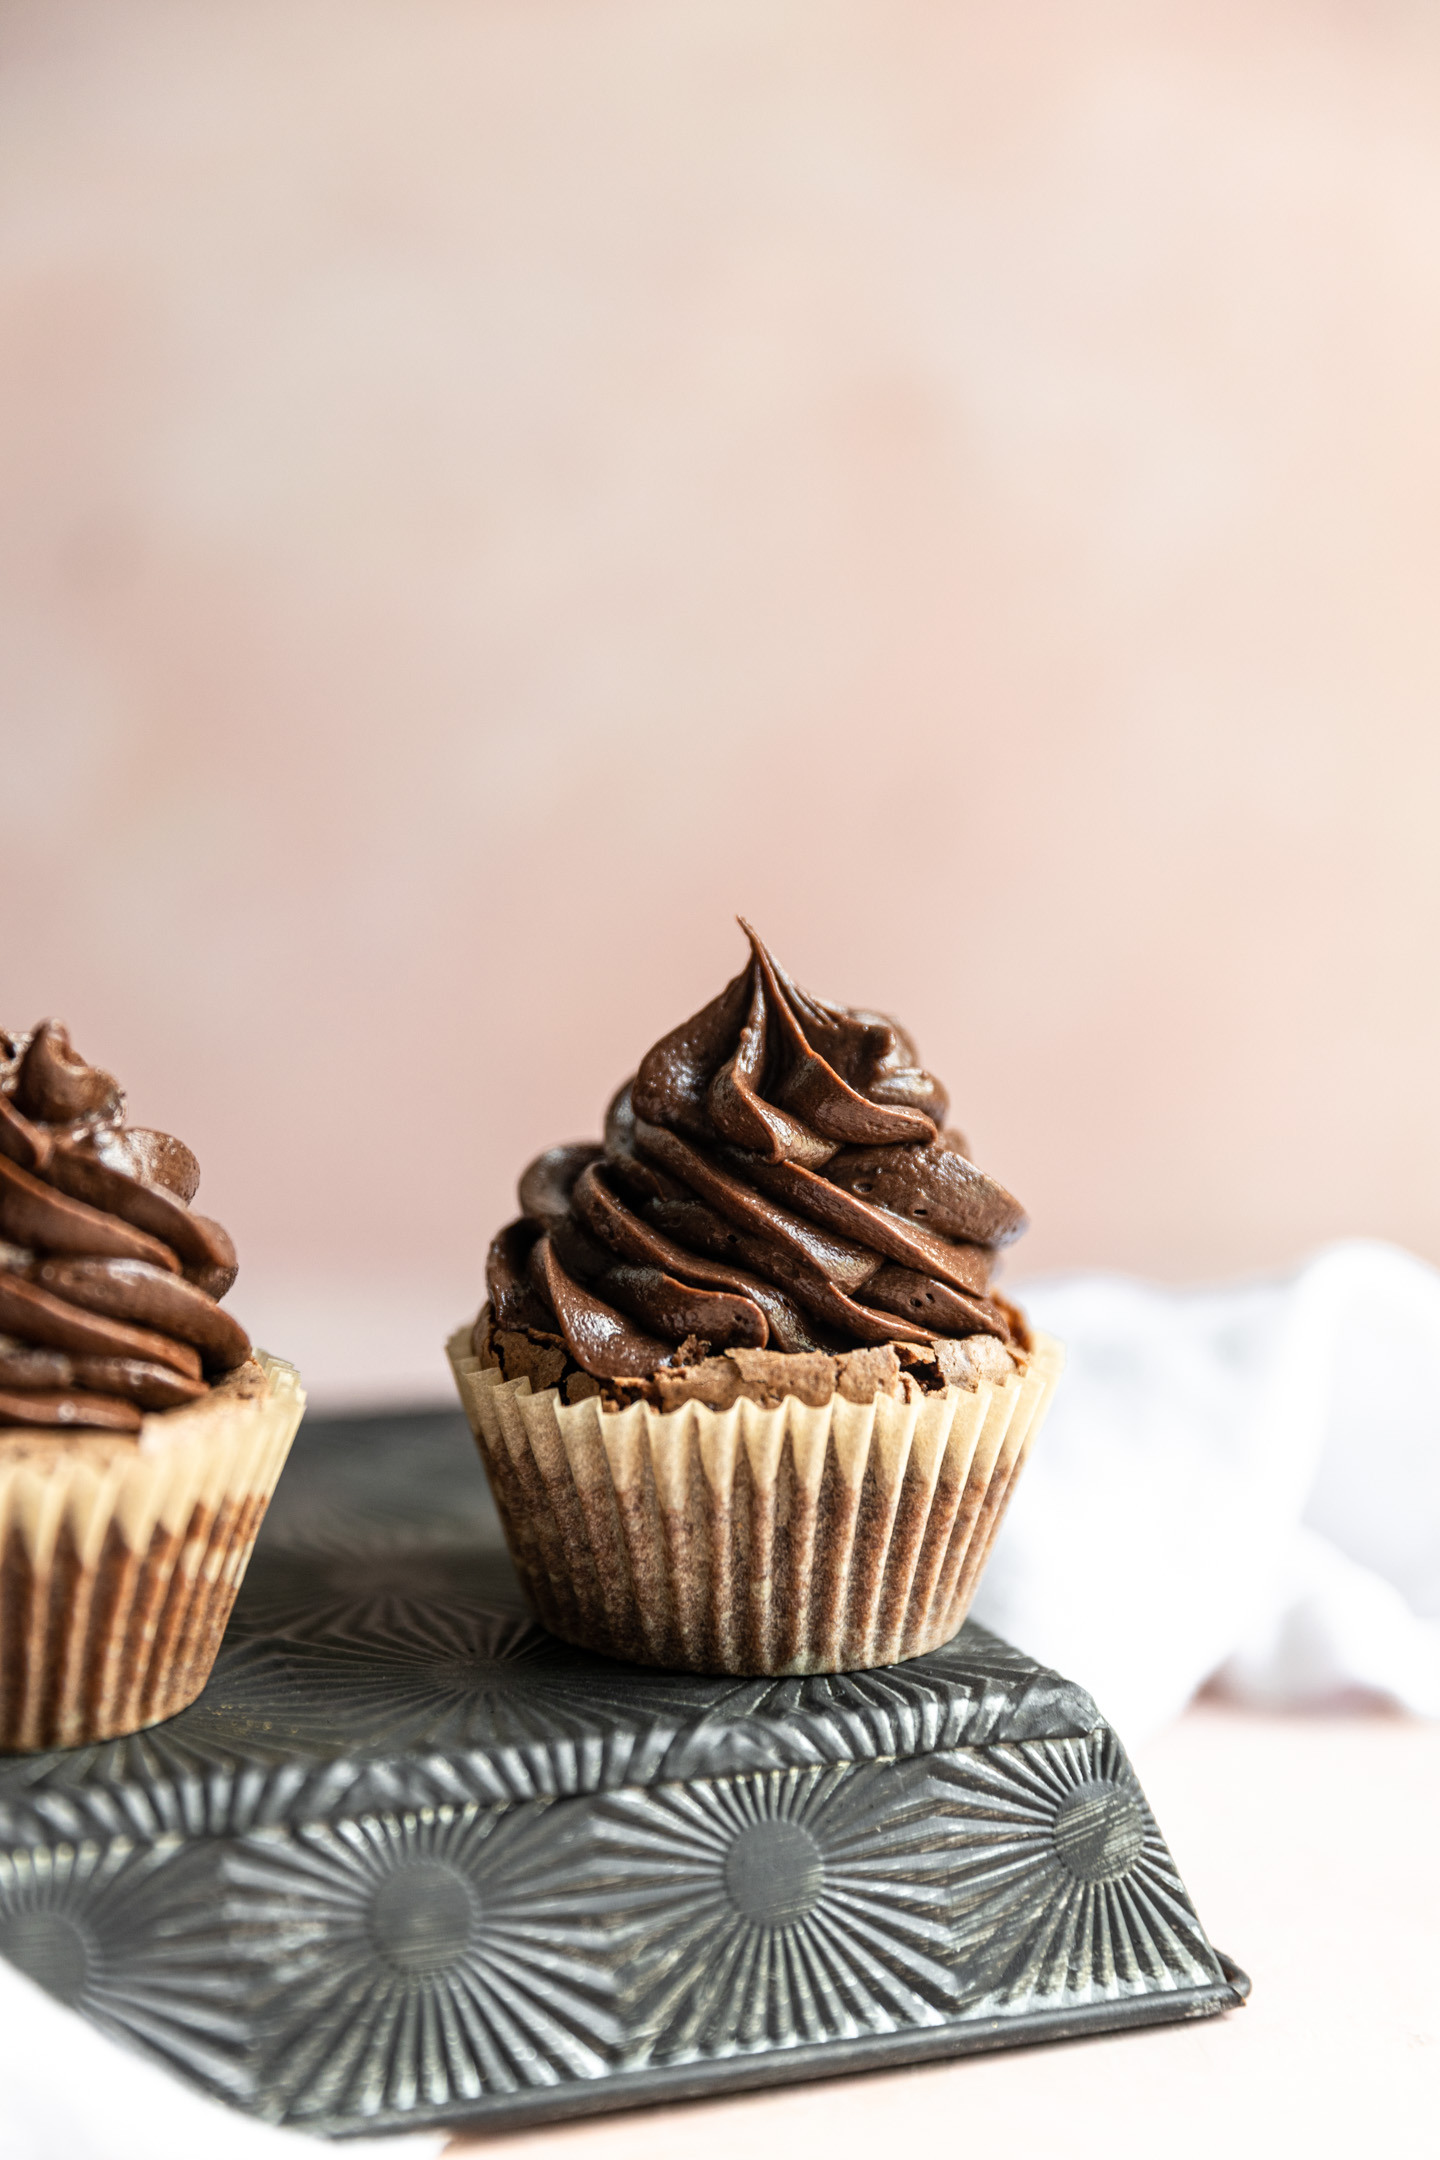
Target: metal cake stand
x=411, y=1861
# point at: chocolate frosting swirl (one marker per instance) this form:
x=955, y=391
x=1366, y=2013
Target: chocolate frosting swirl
x=109, y=1282
x=776, y=1175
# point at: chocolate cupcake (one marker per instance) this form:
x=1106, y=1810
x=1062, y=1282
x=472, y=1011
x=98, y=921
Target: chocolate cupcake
x=140, y=1435
x=748, y=1398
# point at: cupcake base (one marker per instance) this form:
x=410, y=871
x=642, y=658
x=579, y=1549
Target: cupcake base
x=793, y=1540
x=120, y=1558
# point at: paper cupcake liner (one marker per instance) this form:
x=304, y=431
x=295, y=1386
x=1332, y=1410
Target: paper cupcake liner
x=794, y=1540
x=120, y=1558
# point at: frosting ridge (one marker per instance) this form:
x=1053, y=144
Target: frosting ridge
x=109, y=1282
x=777, y=1176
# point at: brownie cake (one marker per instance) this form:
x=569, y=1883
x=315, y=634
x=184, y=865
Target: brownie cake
x=748, y=1396
x=140, y=1436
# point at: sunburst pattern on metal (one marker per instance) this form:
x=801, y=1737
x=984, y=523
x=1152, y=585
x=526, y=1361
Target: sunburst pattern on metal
x=411, y=1860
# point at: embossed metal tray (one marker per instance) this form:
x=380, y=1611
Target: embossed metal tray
x=411, y=1861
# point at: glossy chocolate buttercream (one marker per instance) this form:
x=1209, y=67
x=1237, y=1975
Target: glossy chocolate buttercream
x=109, y=1282
x=777, y=1177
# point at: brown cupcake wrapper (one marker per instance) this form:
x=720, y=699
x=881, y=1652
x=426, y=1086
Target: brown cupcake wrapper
x=748, y=1541
x=120, y=1557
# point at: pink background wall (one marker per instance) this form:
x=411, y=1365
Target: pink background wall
x=487, y=490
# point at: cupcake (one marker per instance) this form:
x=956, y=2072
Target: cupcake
x=747, y=1396
x=140, y=1435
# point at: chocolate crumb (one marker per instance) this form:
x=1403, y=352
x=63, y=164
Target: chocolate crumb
x=715, y=1381
x=990, y=1358
x=864, y=1374
x=768, y=1376
x=979, y=1357
x=541, y=1359
x=907, y=1372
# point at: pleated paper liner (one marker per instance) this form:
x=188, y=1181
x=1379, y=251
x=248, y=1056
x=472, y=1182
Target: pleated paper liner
x=793, y=1540
x=120, y=1558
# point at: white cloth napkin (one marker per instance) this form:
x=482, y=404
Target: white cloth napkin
x=68, y=2093
x=1241, y=1483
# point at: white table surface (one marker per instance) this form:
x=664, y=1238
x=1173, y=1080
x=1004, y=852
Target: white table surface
x=1311, y=1846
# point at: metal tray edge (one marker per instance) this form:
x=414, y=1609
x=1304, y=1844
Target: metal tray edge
x=722, y=2076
